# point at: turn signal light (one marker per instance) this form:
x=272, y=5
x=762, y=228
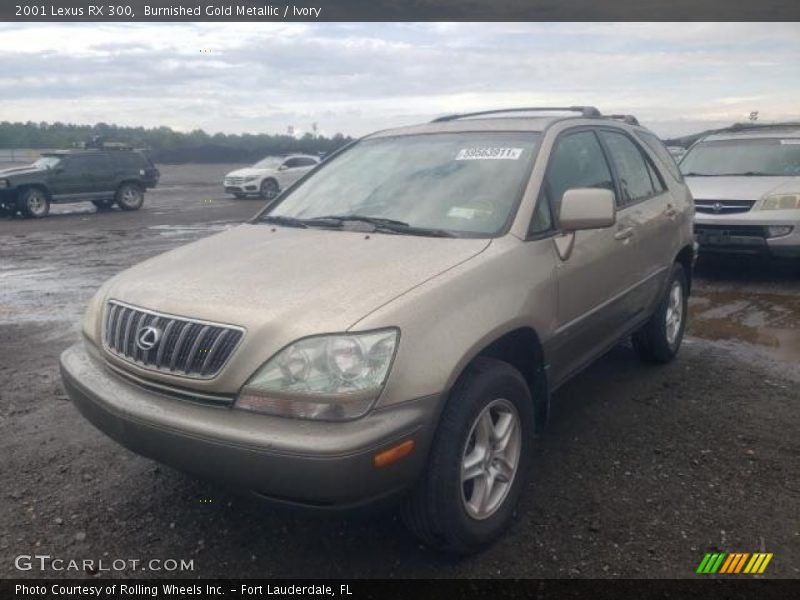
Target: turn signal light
x=393, y=454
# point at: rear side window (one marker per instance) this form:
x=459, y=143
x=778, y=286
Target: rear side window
x=129, y=160
x=577, y=162
x=306, y=162
x=658, y=148
x=637, y=179
x=92, y=162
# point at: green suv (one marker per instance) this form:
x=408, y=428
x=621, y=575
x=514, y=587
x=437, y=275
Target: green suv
x=102, y=176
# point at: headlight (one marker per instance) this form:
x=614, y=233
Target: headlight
x=249, y=179
x=781, y=202
x=4, y=183
x=329, y=377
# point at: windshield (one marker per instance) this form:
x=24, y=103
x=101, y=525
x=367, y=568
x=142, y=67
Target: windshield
x=270, y=162
x=466, y=183
x=744, y=157
x=47, y=162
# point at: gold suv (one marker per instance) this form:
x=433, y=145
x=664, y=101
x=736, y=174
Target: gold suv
x=395, y=323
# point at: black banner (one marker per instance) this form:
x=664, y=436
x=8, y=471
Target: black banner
x=498, y=589
x=399, y=10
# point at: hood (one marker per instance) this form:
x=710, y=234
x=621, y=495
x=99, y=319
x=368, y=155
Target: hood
x=248, y=172
x=740, y=188
x=26, y=170
x=281, y=283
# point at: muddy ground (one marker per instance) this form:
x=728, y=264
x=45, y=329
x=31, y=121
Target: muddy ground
x=641, y=472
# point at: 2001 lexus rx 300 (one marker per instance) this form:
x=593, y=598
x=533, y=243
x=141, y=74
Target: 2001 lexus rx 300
x=394, y=324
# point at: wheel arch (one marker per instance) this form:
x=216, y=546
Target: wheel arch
x=686, y=259
x=35, y=185
x=522, y=348
x=135, y=182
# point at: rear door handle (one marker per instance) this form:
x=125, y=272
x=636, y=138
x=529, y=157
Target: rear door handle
x=670, y=211
x=624, y=234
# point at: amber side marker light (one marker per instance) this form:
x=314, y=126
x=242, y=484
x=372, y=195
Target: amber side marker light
x=393, y=454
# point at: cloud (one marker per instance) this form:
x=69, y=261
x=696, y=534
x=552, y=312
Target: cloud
x=356, y=77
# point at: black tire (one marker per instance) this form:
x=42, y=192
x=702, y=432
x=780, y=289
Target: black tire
x=34, y=203
x=103, y=204
x=129, y=196
x=658, y=341
x=438, y=509
x=269, y=189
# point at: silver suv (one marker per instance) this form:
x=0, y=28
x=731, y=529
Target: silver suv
x=395, y=323
x=746, y=185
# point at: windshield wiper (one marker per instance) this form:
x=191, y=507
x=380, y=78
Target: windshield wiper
x=285, y=221
x=382, y=224
x=745, y=174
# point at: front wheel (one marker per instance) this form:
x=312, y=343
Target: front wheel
x=34, y=203
x=129, y=196
x=660, y=338
x=269, y=189
x=479, y=461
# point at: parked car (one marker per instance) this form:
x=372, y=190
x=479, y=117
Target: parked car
x=746, y=185
x=394, y=325
x=269, y=177
x=103, y=177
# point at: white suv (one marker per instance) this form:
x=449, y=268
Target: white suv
x=746, y=187
x=268, y=177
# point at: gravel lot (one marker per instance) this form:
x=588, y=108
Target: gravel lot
x=641, y=472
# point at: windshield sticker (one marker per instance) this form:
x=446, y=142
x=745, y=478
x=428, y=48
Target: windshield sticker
x=463, y=212
x=489, y=154
x=791, y=142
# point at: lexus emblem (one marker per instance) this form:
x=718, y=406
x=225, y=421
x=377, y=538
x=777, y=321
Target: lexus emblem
x=148, y=337
x=717, y=207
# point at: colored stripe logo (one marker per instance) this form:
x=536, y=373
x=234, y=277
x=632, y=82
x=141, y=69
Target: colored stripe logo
x=734, y=563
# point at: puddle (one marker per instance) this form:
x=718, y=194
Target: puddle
x=770, y=322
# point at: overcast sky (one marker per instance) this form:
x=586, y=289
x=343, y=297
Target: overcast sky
x=354, y=78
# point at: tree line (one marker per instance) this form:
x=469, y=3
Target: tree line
x=165, y=144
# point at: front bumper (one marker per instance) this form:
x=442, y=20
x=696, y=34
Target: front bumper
x=308, y=463
x=747, y=233
x=249, y=187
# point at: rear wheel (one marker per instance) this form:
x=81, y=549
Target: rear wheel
x=103, y=204
x=269, y=189
x=479, y=461
x=34, y=203
x=129, y=196
x=660, y=338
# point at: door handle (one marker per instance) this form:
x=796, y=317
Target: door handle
x=670, y=211
x=624, y=234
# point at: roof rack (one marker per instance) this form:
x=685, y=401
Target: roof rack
x=586, y=111
x=752, y=126
x=629, y=119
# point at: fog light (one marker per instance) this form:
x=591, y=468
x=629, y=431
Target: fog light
x=774, y=231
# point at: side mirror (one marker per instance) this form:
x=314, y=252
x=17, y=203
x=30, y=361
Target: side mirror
x=282, y=168
x=587, y=208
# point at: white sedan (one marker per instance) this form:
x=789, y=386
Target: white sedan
x=268, y=177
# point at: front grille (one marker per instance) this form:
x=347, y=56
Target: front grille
x=184, y=346
x=723, y=207
x=756, y=231
x=234, y=180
